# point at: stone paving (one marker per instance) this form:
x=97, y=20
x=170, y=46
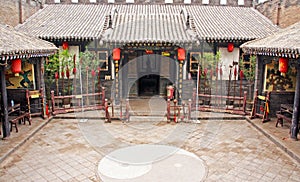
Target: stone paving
x=70, y=149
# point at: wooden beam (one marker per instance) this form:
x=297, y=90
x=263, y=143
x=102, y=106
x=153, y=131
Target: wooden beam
x=4, y=116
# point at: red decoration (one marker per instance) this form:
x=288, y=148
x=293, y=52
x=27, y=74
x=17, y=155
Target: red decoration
x=65, y=45
x=117, y=54
x=241, y=74
x=74, y=70
x=181, y=54
x=56, y=76
x=230, y=47
x=68, y=72
x=149, y=51
x=93, y=72
x=205, y=71
x=62, y=74
x=16, y=66
x=235, y=72
x=283, y=65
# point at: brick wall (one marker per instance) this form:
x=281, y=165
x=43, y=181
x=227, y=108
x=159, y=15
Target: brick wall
x=289, y=12
x=10, y=11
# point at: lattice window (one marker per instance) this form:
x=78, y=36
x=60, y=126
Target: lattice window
x=103, y=60
x=194, y=61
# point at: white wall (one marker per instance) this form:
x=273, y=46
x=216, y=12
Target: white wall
x=227, y=59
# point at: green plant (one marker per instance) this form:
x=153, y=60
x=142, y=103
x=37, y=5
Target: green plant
x=249, y=68
x=59, y=63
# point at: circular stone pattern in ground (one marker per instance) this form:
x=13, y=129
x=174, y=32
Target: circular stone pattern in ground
x=151, y=163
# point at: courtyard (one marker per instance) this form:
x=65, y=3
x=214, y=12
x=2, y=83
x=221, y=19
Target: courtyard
x=215, y=147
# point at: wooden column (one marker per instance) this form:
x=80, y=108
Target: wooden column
x=4, y=116
x=295, y=118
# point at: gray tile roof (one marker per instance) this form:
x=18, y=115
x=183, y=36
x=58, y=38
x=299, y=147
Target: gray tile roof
x=14, y=44
x=87, y=22
x=149, y=28
x=285, y=43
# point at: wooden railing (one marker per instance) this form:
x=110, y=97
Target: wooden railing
x=220, y=103
x=76, y=103
x=111, y=114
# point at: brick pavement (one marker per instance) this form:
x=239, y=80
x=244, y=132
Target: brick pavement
x=70, y=150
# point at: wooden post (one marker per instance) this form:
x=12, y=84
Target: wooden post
x=53, y=102
x=103, y=95
x=253, y=112
x=168, y=110
x=245, y=102
x=107, y=116
x=189, y=109
x=295, y=118
x=4, y=117
x=175, y=109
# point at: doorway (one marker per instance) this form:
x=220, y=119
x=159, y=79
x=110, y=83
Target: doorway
x=148, y=85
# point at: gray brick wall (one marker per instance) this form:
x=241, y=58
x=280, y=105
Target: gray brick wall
x=289, y=11
x=10, y=11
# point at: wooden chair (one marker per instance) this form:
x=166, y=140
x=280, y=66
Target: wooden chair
x=260, y=107
x=35, y=102
x=17, y=116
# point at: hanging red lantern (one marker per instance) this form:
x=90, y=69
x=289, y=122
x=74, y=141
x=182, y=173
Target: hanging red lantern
x=65, y=45
x=116, y=54
x=230, y=47
x=181, y=54
x=149, y=51
x=16, y=66
x=283, y=65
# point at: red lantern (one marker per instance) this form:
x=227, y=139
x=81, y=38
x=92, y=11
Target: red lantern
x=230, y=47
x=283, y=65
x=117, y=54
x=65, y=45
x=181, y=54
x=149, y=51
x=16, y=66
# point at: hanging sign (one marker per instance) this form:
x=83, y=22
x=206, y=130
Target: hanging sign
x=165, y=54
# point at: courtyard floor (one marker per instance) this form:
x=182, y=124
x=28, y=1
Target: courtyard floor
x=149, y=149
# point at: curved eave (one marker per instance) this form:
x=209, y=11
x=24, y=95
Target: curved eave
x=278, y=52
x=174, y=42
x=9, y=55
x=67, y=38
